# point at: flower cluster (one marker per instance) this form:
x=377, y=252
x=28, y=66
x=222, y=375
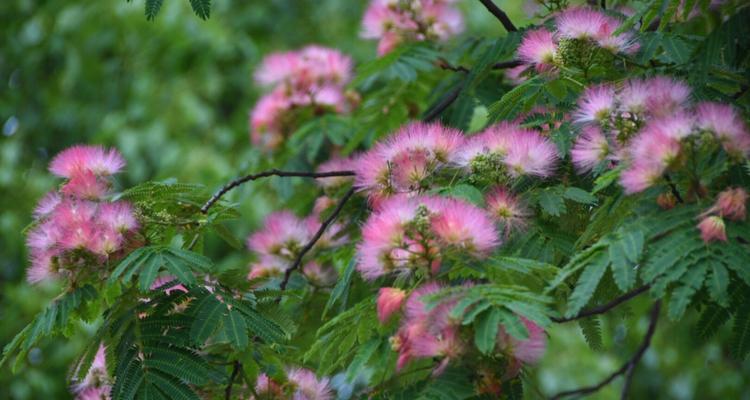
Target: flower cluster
x=409, y=161
x=96, y=385
x=396, y=21
x=406, y=235
x=76, y=226
x=434, y=332
x=648, y=125
x=578, y=35
x=730, y=204
x=313, y=77
x=302, y=384
x=282, y=238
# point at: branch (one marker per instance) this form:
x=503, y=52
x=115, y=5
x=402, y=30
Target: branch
x=499, y=14
x=673, y=188
x=311, y=243
x=235, y=372
x=605, y=307
x=443, y=104
x=627, y=368
x=272, y=172
x=444, y=64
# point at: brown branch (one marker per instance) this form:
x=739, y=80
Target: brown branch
x=444, y=64
x=444, y=103
x=328, y=221
x=673, y=188
x=272, y=172
x=627, y=368
x=604, y=307
x=235, y=372
x=499, y=14
x=508, y=64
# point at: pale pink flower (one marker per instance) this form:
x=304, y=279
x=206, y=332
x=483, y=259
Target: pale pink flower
x=655, y=145
x=265, y=119
x=641, y=176
x=41, y=268
x=596, y=104
x=268, y=266
x=118, y=216
x=78, y=159
x=105, y=241
x=581, y=23
x=730, y=204
x=47, y=204
x=634, y=96
x=590, y=149
x=724, y=122
x=461, y=225
x=538, y=48
x=161, y=281
x=505, y=208
x=666, y=95
x=283, y=234
x=307, y=386
x=530, y=153
x=415, y=308
x=389, y=301
x=44, y=236
x=96, y=382
x=712, y=229
x=516, y=75
x=265, y=387
x=445, y=343
x=494, y=140
x=384, y=231
x=319, y=275
x=529, y=350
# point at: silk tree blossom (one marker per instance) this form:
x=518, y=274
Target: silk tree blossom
x=319, y=275
x=335, y=164
x=406, y=161
x=408, y=234
x=592, y=25
x=590, y=149
x=283, y=235
x=725, y=123
x=306, y=386
x=507, y=209
x=389, y=302
x=522, y=351
x=538, y=48
x=76, y=228
x=712, y=229
x=393, y=22
x=531, y=154
x=730, y=204
x=96, y=385
x=267, y=388
x=596, y=104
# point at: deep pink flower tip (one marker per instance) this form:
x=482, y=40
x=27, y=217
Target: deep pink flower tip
x=538, y=47
x=529, y=350
x=389, y=301
x=590, y=149
x=311, y=64
x=724, y=122
x=86, y=185
x=655, y=145
x=308, y=386
x=730, y=204
x=81, y=159
x=712, y=229
x=596, y=104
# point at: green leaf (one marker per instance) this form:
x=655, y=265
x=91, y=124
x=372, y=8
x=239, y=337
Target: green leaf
x=179, y=270
x=208, y=314
x=172, y=387
x=740, y=341
x=226, y=235
x=132, y=261
x=587, y=283
x=236, y=329
x=579, y=195
x=718, y=283
x=712, y=318
x=149, y=271
x=485, y=331
x=466, y=192
x=592, y=332
x=341, y=290
x=202, y=8
x=193, y=259
x=152, y=8
x=552, y=202
x=691, y=282
x=364, y=353
x=624, y=253
x=513, y=324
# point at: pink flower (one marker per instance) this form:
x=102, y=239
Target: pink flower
x=265, y=387
x=118, y=216
x=581, y=23
x=283, y=234
x=596, y=104
x=529, y=350
x=590, y=149
x=530, y=153
x=731, y=204
x=161, y=281
x=665, y=95
x=655, y=145
x=104, y=241
x=516, y=75
x=47, y=204
x=307, y=386
x=727, y=125
x=96, y=382
x=389, y=301
x=538, y=47
x=461, y=225
x=44, y=236
x=265, y=119
x=712, y=229
x=41, y=268
x=634, y=96
x=494, y=140
x=506, y=209
x=268, y=266
x=79, y=159
x=641, y=176
x=85, y=185
x=319, y=275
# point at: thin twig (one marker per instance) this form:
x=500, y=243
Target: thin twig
x=673, y=188
x=604, y=307
x=443, y=104
x=499, y=14
x=315, y=238
x=508, y=64
x=627, y=368
x=444, y=64
x=235, y=372
x=273, y=172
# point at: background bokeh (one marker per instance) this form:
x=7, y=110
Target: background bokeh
x=173, y=95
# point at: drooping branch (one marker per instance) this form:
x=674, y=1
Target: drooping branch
x=272, y=172
x=604, y=307
x=499, y=14
x=444, y=103
x=627, y=368
x=235, y=371
x=444, y=64
x=328, y=221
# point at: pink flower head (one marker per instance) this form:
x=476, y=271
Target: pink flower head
x=80, y=159
x=96, y=380
x=105, y=241
x=461, y=225
x=307, y=386
x=445, y=343
x=634, y=96
x=724, y=122
x=494, y=140
x=161, y=282
x=582, y=23
x=268, y=266
x=389, y=301
x=86, y=185
x=539, y=48
x=641, y=176
x=656, y=144
x=319, y=275
x=47, y=204
x=45, y=236
x=531, y=154
x=516, y=75
x=118, y=216
x=71, y=212
x=529, y=350
x=41, y=268
x=283, y=234
x=506, y=209
x=310, y=65
x=415, y=308
x=712, y=229
x=665, y=95
x=265, y=119
x=266, y=387
x=590, y=149
x=596, y=104
x=731, y=204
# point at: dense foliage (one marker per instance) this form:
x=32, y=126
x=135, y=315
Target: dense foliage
x=440, y=211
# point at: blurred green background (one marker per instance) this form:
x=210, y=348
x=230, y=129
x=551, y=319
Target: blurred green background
x=173, y=95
